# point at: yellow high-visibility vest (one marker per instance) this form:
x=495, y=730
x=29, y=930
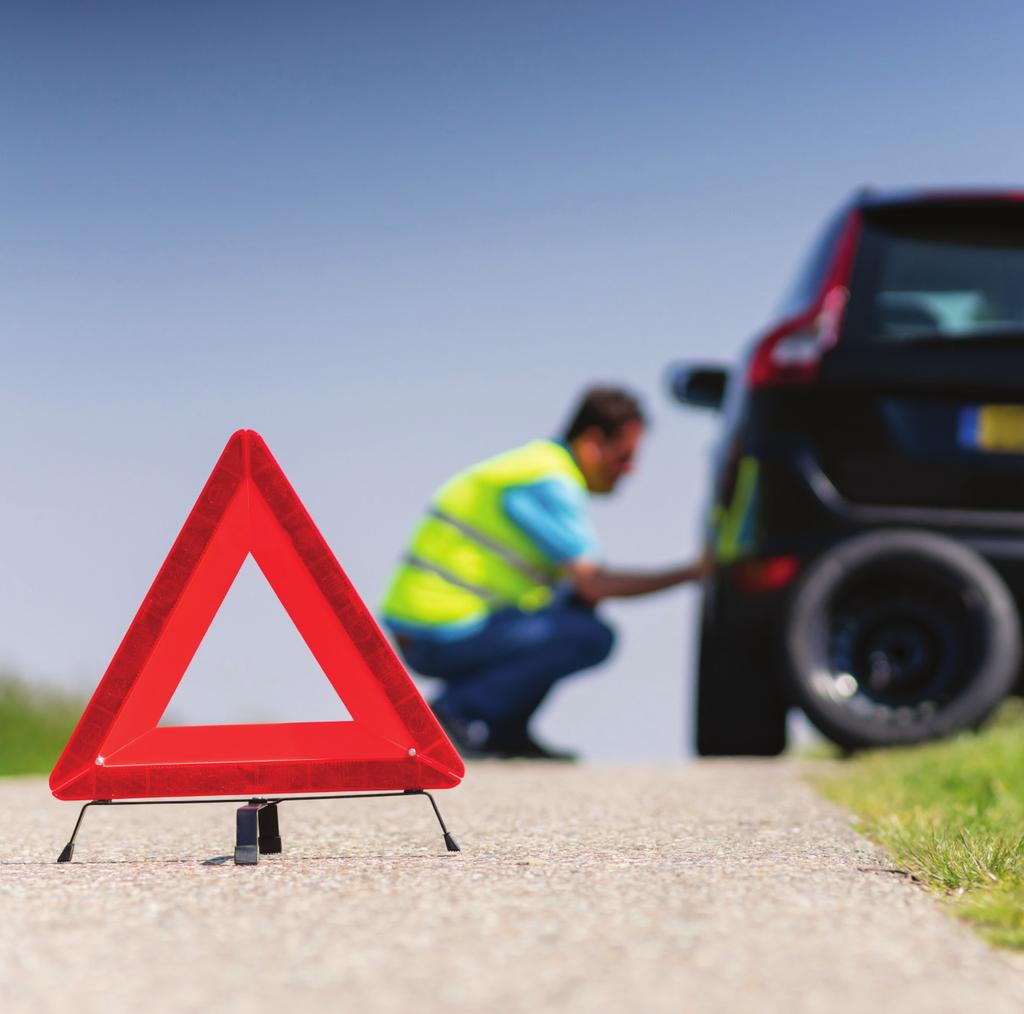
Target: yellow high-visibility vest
x=467, y=558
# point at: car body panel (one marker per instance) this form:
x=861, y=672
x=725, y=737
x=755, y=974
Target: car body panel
x=908, y=427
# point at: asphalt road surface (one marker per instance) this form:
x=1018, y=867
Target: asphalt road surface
x=708, y=886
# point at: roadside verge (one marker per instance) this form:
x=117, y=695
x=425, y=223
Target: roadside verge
x=951, y=814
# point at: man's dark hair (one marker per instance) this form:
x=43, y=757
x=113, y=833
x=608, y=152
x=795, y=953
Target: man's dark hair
x=607, y=408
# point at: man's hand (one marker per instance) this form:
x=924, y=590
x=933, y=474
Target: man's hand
x=593, y=582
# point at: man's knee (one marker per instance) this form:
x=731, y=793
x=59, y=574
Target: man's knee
x=598, y=640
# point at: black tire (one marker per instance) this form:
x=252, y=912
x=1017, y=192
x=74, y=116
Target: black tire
x=900, y=636
x=741, y=709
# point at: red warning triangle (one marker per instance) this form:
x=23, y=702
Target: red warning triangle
x=119, y=750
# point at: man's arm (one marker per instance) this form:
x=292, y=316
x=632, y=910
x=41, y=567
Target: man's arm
x=593, y=582
x=552, y=513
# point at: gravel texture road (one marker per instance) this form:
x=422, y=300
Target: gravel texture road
x=708, y=886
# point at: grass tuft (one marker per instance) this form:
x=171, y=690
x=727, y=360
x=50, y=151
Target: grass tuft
x=35, y=723
x=952, y=815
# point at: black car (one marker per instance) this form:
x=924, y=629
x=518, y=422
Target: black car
x=867, y=512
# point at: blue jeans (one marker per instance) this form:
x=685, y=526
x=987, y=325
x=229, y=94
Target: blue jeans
x=501, y=674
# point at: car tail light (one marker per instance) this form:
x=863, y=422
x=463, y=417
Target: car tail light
x=771, y=573
x=790, y=354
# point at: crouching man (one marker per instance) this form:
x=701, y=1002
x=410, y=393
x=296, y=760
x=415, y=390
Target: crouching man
x=496, y=594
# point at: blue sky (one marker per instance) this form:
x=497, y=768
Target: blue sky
x=397, y=237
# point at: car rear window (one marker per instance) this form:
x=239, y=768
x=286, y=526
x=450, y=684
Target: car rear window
x=938, y=270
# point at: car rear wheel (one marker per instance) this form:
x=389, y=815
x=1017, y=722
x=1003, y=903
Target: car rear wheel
x=900, y=636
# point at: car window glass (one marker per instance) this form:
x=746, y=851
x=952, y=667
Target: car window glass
x=936, y=270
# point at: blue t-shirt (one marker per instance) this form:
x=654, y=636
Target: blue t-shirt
x=552, y=512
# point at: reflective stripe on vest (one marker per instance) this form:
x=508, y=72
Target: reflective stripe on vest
x=510, y=556
x=432, y=568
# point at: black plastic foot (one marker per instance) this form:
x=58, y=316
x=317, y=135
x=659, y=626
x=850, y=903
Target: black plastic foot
x=269, y=834
x=246, y=855
x=69, y=851
x=450, y=843
x=246, y=835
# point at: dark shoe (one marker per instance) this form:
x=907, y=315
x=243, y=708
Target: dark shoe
x=525, y=747
x=471, y=739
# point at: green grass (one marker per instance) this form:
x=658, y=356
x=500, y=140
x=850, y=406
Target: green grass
x=952, y=815
x=34, y=726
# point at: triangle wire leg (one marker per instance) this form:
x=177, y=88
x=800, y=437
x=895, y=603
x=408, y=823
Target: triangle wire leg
x=69, y=849
x=449, y=839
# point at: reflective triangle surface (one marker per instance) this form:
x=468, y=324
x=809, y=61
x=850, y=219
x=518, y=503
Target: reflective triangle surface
x=119, y=750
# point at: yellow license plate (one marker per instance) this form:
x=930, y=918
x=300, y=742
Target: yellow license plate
x=1001, y=429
